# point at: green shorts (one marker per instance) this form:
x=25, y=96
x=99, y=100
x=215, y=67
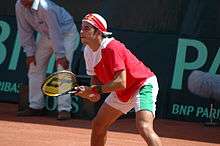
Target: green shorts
x=144, y=99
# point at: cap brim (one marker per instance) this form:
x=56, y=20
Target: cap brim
x=107, y=33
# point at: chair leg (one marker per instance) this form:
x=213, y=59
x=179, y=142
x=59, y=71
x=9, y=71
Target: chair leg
x=211, y=123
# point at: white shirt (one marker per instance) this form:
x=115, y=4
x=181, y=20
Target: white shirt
x=92, y=58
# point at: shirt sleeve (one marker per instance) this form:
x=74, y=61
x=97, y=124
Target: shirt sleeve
x=26, y=33
x=55, y=32
x=114, y=60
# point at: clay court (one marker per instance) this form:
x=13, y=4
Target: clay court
x=47, y=131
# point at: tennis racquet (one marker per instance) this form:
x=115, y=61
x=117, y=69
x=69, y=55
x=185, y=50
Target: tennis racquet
x=60, y=83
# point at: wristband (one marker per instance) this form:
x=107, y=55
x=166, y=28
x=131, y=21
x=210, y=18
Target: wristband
x=97, y=89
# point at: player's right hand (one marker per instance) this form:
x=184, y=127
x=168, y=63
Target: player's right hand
x=30, y=60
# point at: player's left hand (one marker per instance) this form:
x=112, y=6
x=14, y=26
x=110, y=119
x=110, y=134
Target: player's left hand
x=87, y=93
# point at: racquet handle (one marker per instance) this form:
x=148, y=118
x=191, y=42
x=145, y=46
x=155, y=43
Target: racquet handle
x=73, y=92
x=76, y=89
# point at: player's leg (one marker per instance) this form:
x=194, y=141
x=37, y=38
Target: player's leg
x=145, y=111
x=100, y=124
x=109, y=112
x=144, y=121
x=105, y=117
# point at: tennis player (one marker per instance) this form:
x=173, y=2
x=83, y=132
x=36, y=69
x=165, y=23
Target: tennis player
x=115, y=70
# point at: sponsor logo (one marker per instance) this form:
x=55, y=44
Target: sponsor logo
x=195, y=111
x=181, y=64
x=10, y=87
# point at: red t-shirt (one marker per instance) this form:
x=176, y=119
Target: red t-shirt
x=116, y=57
x=113, y=56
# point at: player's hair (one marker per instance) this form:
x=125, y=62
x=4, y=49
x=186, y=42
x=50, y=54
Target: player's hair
x=103, y=35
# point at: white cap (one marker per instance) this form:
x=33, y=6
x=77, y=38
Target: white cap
x=97, y=21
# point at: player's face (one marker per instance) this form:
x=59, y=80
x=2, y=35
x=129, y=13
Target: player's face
x=27, y=3
x=88, y=33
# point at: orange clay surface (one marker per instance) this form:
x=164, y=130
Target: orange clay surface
x=47, y=131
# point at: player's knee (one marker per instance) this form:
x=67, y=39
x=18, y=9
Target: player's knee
x=144, y=128
x=98, y=127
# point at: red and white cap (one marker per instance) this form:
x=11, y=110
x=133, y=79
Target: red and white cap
x=97, y=21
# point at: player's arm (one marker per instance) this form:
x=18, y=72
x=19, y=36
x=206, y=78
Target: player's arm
x=118, y=83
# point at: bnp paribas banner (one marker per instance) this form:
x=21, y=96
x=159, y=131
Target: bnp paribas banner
x=201, y=104
x=172, y=59
x=12, y=68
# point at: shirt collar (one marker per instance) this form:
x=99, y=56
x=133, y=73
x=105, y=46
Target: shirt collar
x=105, y=42
x=35, y=4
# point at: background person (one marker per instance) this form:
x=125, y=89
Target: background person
x=58, y=34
